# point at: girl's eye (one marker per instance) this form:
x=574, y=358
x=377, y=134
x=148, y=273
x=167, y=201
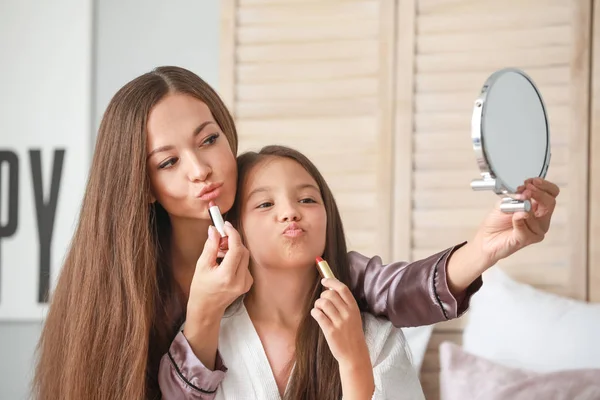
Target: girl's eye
x=170, y=162
x=266, y=204
x=308, y=200
x=210, y=140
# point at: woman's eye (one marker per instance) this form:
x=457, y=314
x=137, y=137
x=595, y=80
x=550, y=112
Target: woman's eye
x=170, y=162
x=210, y=140
x=266, y=204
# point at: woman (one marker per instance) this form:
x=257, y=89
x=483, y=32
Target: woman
x=135, y=268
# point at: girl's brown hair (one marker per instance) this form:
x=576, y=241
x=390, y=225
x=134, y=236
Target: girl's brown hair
x=115, y=309
x=316, y=373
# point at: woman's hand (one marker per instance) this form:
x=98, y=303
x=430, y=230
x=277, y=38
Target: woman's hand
x=338, y=315
x=214, y=287
x=503, y=234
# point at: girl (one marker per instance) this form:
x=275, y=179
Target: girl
x=290, y=338
x=136, y=267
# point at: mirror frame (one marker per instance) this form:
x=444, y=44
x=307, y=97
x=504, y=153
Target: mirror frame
x=489, y=179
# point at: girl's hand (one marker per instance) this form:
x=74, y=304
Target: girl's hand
x=503, y=234
x=338, y=315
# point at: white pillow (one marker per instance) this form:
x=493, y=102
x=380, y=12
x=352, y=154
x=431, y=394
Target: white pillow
x=519, y=326
x=418, y=339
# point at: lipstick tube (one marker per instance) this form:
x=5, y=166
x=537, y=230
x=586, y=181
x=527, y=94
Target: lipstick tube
x=324, y=268
x=217, y=218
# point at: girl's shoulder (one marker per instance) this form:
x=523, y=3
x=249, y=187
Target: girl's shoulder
x=383, y=338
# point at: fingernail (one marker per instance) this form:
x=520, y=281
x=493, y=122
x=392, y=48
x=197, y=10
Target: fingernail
x=537, y=181
x=211, y=232
x=228, y=224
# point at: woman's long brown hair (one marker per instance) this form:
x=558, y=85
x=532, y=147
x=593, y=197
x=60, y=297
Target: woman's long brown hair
x=115, y=310
x=316, y=372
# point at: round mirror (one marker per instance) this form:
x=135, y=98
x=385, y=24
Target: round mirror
x=510, y=134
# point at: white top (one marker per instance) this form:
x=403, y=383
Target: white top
x=249, y=374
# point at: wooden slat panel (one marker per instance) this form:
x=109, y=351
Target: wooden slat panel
x=445, y=42
x=318, y=83
x=340, y=128
x=463, y=101
x=440, y=82
x=458, y=141
x=594, y=166
x=507, y=18
x=450, y=179
x=295, y=108
x=387, y=114
x=359, y=149
x=254, y=3
x=443, y=236
x=490, y=59
x=579, y=146
x=227, y=54
x=333, y=30
x=307, y=12
x=464, y=217
x=431, y=199
x=333, y=89
x=312, y=71
x=404, y=122
x=458, y=44
x=462, y=159
x=357, y=49
x=533, y=8
x=559, y=117
x=529, y=255
x=317, y=75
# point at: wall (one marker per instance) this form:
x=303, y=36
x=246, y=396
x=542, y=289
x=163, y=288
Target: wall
x=45, y=103
x=135, y=36
x=66, y=59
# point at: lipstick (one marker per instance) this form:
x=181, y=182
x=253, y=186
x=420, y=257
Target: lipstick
x=217, y=218
x=324, y=269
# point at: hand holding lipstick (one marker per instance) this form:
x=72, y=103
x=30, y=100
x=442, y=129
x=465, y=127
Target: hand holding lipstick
x=214, y=287
x=338, y=315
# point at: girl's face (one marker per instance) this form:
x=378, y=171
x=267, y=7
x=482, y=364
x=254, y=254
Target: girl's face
x=189, y=159
x=282, y=214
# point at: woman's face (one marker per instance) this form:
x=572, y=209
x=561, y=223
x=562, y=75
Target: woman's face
x=283, y=217
x=189, y=159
